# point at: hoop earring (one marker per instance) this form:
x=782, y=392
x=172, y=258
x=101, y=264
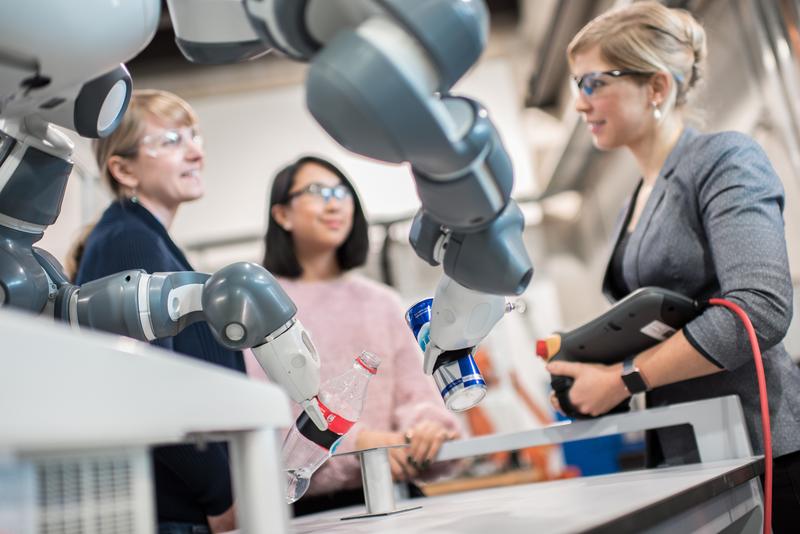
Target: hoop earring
x=656, y=112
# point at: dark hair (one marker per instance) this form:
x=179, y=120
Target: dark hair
x=279, y=257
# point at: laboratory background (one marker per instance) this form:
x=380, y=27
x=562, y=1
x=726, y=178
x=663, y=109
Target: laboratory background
x=503, y=468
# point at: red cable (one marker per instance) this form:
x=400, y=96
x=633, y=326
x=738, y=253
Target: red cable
x=762, y=390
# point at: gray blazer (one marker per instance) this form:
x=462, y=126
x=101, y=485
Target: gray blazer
x=713, y=226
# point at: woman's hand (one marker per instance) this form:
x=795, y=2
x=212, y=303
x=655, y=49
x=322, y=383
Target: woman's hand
x=596, y=389
x=398, y=456
x=425, y=439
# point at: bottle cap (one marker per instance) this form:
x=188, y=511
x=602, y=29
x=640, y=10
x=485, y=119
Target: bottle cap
x=368, y=361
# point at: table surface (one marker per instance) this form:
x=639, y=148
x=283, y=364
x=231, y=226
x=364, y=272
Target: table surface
x=66, y=390
x=616, y=502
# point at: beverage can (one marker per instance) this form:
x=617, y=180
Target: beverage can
x=418, y=318
x=456, y=374
x=460, y=382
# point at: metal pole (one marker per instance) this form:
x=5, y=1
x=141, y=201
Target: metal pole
x=376, y=476
x=259, y=482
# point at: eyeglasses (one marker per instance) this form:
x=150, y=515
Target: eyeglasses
x=592, y=81
x=170, y=141
x=339, y=192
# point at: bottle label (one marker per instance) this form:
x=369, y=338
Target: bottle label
x=327, y=439
x=336, y=422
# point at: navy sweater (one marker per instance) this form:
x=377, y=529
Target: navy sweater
x=190, y=484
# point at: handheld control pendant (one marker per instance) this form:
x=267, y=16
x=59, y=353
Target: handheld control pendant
x=644, y=318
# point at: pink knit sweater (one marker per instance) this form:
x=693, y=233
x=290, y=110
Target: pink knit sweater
x=345, y=316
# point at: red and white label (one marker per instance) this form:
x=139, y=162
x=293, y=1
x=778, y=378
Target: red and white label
x=336, y=423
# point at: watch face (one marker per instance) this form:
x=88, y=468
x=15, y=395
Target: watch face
x=634, y=382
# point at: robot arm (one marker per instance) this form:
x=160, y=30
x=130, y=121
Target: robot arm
x=464, y=313
x=45, y=63
x=378, y=82
x=242, y=303
x=56, y=67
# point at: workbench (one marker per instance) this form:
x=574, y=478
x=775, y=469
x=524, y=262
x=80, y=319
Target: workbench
x=705, y=497
x=723, y=491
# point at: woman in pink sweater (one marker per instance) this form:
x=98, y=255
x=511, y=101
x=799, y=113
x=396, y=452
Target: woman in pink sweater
x=316, y=233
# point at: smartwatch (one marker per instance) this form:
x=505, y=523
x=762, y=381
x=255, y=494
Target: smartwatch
x=632, y=377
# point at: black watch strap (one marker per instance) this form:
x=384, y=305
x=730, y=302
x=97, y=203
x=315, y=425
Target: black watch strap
x=632, y=377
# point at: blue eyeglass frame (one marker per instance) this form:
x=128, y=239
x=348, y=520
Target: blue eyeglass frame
x=325, y=192
x=583, y=85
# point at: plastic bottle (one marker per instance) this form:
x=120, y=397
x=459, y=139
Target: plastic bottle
x=341, y=399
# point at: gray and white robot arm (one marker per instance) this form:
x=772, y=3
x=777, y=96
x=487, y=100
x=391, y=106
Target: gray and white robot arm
x=243, y=305
x=379, y=83
x=379, y=80
x=58, y=68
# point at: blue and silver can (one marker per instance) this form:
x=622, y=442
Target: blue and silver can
x=418, y=318
x=456, y=374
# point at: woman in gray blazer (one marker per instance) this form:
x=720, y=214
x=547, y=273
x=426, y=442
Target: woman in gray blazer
x=705, y=220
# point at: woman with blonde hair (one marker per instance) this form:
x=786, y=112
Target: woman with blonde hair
x=705, y=220
x=153, y=163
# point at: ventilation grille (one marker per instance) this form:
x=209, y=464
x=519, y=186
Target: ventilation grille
x=93, y=494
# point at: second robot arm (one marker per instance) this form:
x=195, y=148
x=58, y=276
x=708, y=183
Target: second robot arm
x=242, y=303
x=379, y=83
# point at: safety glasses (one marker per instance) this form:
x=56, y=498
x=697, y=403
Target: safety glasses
x=170, y=140
x=324, y=192
x=591, y=82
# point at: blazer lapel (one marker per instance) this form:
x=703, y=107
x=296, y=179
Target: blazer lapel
x=630, y=262
x=619, y=230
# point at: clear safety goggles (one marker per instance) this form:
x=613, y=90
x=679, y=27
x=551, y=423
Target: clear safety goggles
x=324, y=192
x=170, y=141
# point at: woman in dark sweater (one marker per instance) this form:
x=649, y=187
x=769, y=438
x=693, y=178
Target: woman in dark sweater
x=153, y=164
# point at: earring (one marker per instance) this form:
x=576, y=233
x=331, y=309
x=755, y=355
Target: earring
x=656, y=111
x=134, y=196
